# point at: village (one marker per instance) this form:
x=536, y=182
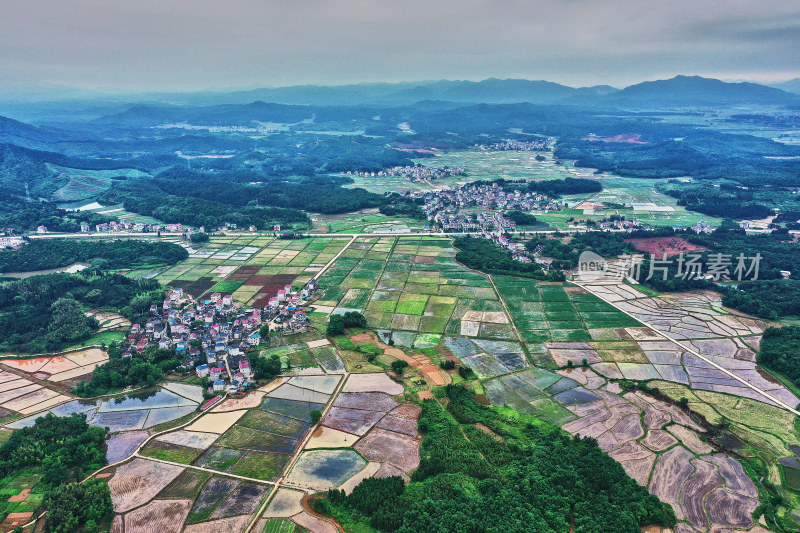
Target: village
x=444, y=208
x=213, y=335
x=535, y=145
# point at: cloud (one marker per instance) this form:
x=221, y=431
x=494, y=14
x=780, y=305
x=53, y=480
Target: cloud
x=196, y=44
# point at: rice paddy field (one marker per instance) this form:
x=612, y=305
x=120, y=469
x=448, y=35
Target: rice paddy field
x=414, y=289
x=252, y=268
x=215, y=473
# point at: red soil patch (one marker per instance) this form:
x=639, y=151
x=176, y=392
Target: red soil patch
x=665, y=245
x=432, y=374
x=425, y=395
x=15, y=519
x=19, y=497
x=362, y=337
x=270, y=285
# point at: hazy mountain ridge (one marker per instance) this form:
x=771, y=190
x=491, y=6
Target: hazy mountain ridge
x=678, y=91
x=696, y=90
x=791, y=86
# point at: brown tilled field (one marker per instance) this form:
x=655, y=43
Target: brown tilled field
x=390, y=447
x=671, y=470
x=270, y=285
x=137, y=482
x=704, y=479
x=244, y=273
x=666, y=245
x=354, y=421
x=234, y=524
x=164, y=516
x=195, y=288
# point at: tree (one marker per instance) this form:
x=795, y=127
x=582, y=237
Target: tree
x=74, y=505
x=338, y=323
x=67, y=322
x=198, y=237
x=399, y=366
x=315, y=417
x=264, y=333
x=266, y=367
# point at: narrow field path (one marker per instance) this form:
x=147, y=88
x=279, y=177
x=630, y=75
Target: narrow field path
x=296, y=455
x=335, y=257
x=505, y=308
x=203, y=469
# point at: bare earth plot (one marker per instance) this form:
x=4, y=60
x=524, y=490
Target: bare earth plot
x=695, y=320
x=642, y=434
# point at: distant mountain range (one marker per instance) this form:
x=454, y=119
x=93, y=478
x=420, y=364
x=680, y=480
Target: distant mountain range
x=678, y=91
x=294, y=104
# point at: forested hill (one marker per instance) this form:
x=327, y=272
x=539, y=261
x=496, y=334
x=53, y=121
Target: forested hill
x=47, y=313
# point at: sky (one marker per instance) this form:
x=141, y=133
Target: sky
x=190, y=45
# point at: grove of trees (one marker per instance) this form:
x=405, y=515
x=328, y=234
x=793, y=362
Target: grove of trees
x=338, y=323
x=780, y=351
x=485, y=256
x=63, y=451
x=55, y=253
x=46, y=313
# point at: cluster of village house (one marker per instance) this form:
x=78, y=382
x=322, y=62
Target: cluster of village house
x=517, y=249
x=443, y=208
x=620, y=224
x=124, y=225
x=139, y=227
x=534, y=145
x=413, y=173
x=218, y=330
x=11, y=241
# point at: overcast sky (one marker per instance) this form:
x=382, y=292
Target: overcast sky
x=201, y=44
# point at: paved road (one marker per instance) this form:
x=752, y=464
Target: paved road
x=694, y=352
x=107, y=235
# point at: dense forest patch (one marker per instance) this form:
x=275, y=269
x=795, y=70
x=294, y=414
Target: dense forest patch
x=769, y=299
x=46, y=313
x=485, y=256
x=62, y=451
x=780, y=351
x=55, y=253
